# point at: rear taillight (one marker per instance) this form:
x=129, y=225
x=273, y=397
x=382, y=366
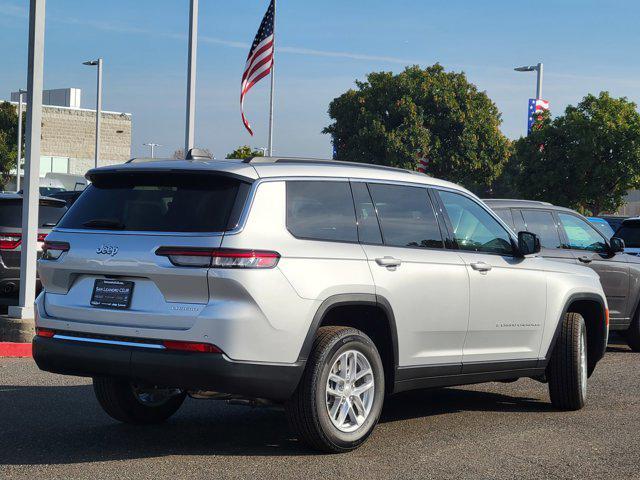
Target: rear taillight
x=53, y=250
x=190, y=346
x=10, y=241
x=41, y=237
x=219, y=257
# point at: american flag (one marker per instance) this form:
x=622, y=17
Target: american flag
x=536, y=106
x=260, y=58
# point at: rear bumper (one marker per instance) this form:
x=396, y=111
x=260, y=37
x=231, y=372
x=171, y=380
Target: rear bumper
x=186, y=370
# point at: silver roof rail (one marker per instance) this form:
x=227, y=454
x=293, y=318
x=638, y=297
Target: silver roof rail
x=321, y=161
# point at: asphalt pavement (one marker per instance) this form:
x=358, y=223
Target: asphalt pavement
x=52, y=427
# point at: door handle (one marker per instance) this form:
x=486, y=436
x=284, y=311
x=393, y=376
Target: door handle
x=585, y=259
x=388, y=262
x=481, y=267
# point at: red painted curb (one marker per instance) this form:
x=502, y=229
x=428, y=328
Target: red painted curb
x=15, y=350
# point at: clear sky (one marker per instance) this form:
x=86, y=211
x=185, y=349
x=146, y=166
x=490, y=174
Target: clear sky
x=322, y=47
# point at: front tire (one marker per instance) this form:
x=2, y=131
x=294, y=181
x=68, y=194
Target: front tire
x=568, y=368
x=339, y=399
x=130, y=403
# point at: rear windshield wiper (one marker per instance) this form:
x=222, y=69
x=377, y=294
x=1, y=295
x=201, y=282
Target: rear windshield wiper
x=48, y=225
x=104, y=223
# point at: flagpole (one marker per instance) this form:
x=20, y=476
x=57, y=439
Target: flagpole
x=273, y=83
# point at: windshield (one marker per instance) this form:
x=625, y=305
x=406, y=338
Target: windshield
x=159, y=202
x=630, y=233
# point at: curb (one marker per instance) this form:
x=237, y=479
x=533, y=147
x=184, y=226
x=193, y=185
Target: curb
x=15, y=350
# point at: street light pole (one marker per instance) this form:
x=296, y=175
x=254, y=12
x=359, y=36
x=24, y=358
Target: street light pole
x=31, y=195
x=152, y=146
x=539, y=69
x=189, y=135
x=20, y=93
x=97, y=63
x=534, y=68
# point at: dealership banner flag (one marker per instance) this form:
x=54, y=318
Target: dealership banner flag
x=536, y=107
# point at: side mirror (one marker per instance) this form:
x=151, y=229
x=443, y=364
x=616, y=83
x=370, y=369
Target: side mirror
x=528, y=243
x=616, y=245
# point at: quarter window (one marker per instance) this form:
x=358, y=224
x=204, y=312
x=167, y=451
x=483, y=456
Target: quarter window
x=581, y=235
x=474, y=229
x=542, y=223
x=321, y=210
x=406, y=216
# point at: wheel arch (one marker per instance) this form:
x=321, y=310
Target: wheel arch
x=593, y=309
x=355, y=310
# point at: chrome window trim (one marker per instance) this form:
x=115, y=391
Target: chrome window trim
x=103, y=341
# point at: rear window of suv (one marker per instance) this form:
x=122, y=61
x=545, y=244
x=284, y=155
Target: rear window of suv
x=49, y=213
x=159, y=202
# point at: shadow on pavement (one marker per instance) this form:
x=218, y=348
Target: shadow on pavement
x=64, y=424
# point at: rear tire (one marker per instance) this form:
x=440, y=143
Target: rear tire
x=632, y=335
x=339, y=399
x=567, y=370
x=128, y=403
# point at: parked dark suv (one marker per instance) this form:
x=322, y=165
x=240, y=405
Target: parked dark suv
x=50, y=211
x=567, y=236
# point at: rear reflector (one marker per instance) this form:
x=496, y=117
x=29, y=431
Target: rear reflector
x=45, y=332
x=10, y=241
x=190, y=346
x=219, y=257
x=53, y=250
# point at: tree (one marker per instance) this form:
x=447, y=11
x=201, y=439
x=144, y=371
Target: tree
x=8, y=140
x=245, y=151
x=586, y=159
x=397, y=119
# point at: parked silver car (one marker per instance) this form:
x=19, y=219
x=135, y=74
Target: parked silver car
x=321, y=285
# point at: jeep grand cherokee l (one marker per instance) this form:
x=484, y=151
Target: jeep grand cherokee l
x=321, y=285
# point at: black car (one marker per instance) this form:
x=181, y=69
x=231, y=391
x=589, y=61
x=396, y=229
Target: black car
x=51, y=210
x=567, y=236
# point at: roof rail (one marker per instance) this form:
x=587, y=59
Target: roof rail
x=518, y=200
x=321, y=161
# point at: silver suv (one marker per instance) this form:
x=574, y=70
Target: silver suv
x=320, y=285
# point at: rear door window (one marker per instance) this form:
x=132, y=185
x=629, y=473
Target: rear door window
x=406, y=216
x=159, y=202
x=321, y=210
x=542, y=223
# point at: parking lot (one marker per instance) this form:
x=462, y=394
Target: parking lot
x=52, y=427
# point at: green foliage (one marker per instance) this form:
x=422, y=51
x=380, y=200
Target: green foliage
x=245, y=151
x=8, y=140
x=397, y=119
x=585, y=159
